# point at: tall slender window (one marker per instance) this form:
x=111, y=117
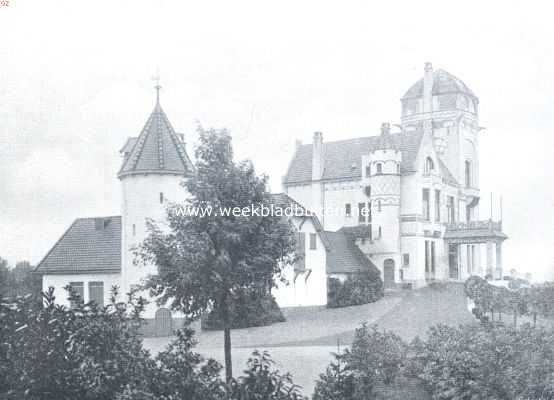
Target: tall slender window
x=348, y=209
x=379, y=168
x=468, y=173
x=161, y=197
x=301, y=252
x=77, y=293
x=425, y=210
x=432, y=257
x=96, y=292
x=368, y=170
x=426, y=256
x=361, y=212
x=451, y=210
x=437, y=205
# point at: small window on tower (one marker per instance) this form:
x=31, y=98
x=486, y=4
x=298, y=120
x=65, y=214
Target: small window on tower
x=368, y=170
x=161, y=197
x=406, y=259
x=379, y=168
x=379, y=205
x=348, y=209
x=134, y=229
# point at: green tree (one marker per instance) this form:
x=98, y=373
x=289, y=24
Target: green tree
x=204, y=260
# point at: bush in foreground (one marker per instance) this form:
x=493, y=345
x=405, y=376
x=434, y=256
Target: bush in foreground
x=361, y=288
x=91, y=352
x=480, y=362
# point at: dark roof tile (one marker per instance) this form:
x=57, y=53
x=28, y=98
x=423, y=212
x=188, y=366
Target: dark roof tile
x=90, y=245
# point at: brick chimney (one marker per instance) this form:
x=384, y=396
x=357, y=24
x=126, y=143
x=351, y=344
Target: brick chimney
x=428, y=88
x=317, y=157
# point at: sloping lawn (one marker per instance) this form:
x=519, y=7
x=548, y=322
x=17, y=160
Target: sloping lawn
x=413, y=316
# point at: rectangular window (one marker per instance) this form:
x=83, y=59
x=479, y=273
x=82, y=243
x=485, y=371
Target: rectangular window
x=348, y=210
x=96, y=292
x=77, y=293
x=468, y=173
x=468, y=247
x=451, y=210
x=368, y=171
x=426, y=256
x=425, y=210
x=301, y=252
x=361, y=212
x=433, y=257
x=161, y=198
x=313, y=241
x=437, y=205
x=369, y=212
x=406, y=259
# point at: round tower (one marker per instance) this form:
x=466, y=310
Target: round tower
x=384, y=181
x=155, y=163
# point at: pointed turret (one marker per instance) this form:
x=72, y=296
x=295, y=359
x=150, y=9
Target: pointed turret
x=157, y=150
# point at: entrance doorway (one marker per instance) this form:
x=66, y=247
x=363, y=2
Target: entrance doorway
x=163, y=322
x=453, y=267
x=388, y=273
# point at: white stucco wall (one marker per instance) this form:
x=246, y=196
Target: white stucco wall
x=141, y=200
x=59, y=282
x=310, y=287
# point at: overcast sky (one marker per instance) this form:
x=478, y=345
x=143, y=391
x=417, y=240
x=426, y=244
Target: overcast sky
x=75, y=82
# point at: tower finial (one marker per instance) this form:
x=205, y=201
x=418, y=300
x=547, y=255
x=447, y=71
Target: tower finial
x=158, y=87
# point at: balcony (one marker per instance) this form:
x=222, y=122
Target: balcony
x=474, y=232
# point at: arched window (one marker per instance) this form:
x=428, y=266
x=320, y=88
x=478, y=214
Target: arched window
x=429, y=166
x=379, y=168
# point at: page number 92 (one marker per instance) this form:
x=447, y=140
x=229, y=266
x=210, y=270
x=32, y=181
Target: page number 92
x=4, y=3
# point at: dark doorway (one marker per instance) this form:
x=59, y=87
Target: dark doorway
x=453, y=261
x=163, y=322
x=388, y=273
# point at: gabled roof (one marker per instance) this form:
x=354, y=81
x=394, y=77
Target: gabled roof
x=90, y=245
x=343, y=159
x=283, y=200
x=158, y=149
x=345, y=256
x=443, y=82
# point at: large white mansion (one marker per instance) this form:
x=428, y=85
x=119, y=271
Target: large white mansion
x=403, y=201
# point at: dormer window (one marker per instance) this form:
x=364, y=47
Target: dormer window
x=429, y=166
x=379, y=168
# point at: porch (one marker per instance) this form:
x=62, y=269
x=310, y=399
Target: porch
x=473, y=235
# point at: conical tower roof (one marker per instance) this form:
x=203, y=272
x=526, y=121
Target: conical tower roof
x=157, y=150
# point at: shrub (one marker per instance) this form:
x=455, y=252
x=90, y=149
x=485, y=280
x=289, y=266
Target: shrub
x=54, y=353
x=337, y=383
x=261, y=381
x=361, y=288
x=247, y=310
x=485, y=362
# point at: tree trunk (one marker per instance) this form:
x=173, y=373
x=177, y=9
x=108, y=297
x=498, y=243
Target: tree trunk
x=227, y=342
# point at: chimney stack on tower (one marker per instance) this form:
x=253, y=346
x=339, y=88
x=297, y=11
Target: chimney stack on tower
x=317, y=156
x=385, y=128
x=428, y=88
